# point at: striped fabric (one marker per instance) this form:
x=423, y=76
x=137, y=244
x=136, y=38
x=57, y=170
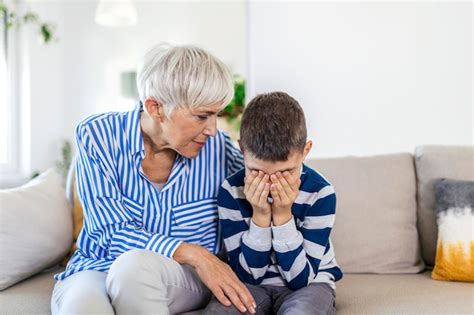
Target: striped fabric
x=122, y=208
x=294, y=254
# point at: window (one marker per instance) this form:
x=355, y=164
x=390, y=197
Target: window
x=9, y=132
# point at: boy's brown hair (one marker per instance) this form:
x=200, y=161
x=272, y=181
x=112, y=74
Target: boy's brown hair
x=273, y=127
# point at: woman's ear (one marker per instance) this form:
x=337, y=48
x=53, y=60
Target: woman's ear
x=154, y=108
x=307, y=148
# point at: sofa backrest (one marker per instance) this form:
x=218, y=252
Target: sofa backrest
x=433, y=162
x=375, y=229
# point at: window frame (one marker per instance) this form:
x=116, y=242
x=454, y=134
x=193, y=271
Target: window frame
x=11, y=172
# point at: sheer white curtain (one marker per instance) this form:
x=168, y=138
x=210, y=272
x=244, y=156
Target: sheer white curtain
x=5, y=131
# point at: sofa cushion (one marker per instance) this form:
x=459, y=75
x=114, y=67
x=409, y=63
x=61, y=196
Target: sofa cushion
x=31, y=296
x=35, y=227
x=455, y=249
x=402, y=294
x=375, y=229
x=355, y=294
x=434, y=162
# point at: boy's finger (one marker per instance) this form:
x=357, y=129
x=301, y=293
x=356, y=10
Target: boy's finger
x=294, y=183
x=264, y=194
x=275, y=195
x=281, y=190
x=261, y=186
x=254, y=184
x=250, y=177
x=284, y=182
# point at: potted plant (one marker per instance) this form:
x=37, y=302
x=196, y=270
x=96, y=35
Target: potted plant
x=229, y=118
x=11, y=18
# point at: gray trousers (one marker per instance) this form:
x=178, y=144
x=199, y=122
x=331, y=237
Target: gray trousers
x=139, y=282
x=315, y=299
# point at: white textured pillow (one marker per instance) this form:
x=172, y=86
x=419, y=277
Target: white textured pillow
x=35, y=228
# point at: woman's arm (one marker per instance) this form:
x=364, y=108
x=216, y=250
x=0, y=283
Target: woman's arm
x=112, y=221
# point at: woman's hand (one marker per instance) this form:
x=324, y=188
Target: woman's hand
x=217, y=276
x=256, y=190
x=284, y=190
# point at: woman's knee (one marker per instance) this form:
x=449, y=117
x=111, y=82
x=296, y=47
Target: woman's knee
x=134, y=268
x=81, y=293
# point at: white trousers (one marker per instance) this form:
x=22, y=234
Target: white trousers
x=139, y=282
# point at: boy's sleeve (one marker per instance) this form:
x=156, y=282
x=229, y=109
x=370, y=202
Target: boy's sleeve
x=233, y=156
x=111, y=220
x=299, y=252
x=248, y=245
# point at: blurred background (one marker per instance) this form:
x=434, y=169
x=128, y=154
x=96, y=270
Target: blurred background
x=373, y=77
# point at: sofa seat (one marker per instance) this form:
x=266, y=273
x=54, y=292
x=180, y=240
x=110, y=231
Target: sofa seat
x=356, y=294
x=31, y=296
x=402, y=294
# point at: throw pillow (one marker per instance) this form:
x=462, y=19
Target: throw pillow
x=455, y=248
x=35, y=228
x=375, y=229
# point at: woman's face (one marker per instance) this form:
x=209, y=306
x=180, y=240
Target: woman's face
x=187, y=130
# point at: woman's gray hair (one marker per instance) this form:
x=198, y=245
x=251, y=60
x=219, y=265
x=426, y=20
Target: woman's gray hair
x=184, y=76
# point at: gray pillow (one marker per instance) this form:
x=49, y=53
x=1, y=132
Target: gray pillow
x=453, y=194
x=455, y=218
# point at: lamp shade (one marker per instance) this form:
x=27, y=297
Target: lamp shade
x=114, y=13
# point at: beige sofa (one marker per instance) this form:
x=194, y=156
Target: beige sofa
x=384, y=237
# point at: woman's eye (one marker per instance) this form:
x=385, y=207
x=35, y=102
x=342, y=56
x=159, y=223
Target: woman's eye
x=201, y=117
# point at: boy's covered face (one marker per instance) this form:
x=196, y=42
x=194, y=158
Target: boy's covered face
x=292, y=165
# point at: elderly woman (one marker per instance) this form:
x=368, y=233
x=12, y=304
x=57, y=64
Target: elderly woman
x=148, y=182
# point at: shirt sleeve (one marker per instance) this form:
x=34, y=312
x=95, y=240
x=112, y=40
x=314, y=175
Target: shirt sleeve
x=248, y=246
x=299, y=251
x=234, y=158
x=111, y=220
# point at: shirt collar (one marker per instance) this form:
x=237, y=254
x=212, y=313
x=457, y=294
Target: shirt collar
x=134, y=130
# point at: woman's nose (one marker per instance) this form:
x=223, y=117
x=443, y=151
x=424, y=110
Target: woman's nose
x=211, y=127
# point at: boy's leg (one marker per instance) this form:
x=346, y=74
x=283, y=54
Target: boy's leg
x=316, y=298
x=261, y=296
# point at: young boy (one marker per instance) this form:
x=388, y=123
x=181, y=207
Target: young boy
x=276, y=215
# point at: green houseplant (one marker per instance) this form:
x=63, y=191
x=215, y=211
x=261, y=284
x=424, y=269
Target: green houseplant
x=11, y=18
x=236, y=106
x=229, y=117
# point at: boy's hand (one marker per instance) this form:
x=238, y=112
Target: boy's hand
x=284, y=191
x=256, y=190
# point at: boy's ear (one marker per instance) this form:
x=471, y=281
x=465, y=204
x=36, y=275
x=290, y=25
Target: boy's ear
x=307, y=148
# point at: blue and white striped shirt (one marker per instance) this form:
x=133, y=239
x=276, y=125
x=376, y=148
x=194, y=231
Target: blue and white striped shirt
x=122, y=208
x=294, y=254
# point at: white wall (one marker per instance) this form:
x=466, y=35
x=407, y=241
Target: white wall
x=79, y=75
x=373, y=77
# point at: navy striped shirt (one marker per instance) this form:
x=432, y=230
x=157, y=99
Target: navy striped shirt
x=122, y=208
x=294, y=254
